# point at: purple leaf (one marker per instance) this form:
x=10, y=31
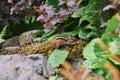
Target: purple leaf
x=14, y=9
x=10, y=1
x=55, y=20
x=74, y=9
x=71, y=3
x=61, y=2
x=111, y=6
x=50, y=8
x=48, y=27
x=63, y=12
x=47, y=30
x=43, y=18
x=42, y=7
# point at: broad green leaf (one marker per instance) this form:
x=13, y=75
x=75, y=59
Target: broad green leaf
x=94, y=55
x=1, y=40
x=112, y=25
x=76, y=15
x=83, y=34
x=94, y=63
x=110, y=34
x=113, y=47
x=88, y=51
x=87, y=31
x=57, y=57
x=107, y=37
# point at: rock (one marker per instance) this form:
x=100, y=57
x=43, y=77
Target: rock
x=76, y=63
x=25, y=37
x=17, y=40
x=11, y=48
x=31, y=67
x=47, y=70
x=14, y=41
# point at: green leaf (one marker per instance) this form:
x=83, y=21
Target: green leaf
x=39, y=33
x=115, y=62
x=1, y=40
x=57, y=57
x=76, y=15
x=112, y=25
x=47, y=35
x=72, y=33
x=108, y=36
x=87, y=31
x=3, y=32
x=83, y=34
x=94, y=54
x=94, y=63
x=113, y=47
x=72, y=26
x=33, y=19
x=103, y=72
x=90, y=12
x=27, y=19
x=88, y=51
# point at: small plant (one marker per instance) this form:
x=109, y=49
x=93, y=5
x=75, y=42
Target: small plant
x=69, y=18
x=51, y=18
x=2, y=34
x=100, y=52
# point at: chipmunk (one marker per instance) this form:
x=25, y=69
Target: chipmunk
x=57, y=41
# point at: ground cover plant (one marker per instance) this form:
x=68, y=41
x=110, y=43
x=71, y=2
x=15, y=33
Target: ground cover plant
x=94, y=21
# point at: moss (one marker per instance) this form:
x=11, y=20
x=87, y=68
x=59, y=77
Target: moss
x=76, y=50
